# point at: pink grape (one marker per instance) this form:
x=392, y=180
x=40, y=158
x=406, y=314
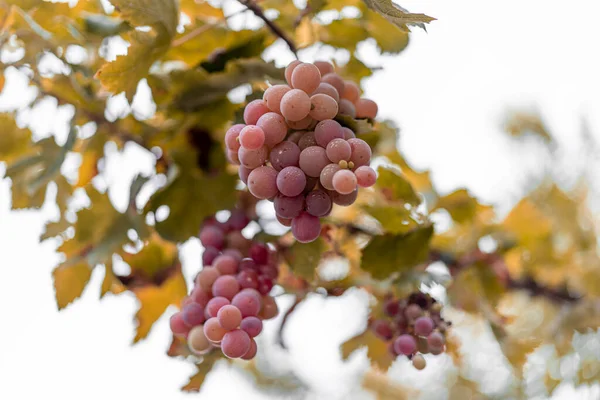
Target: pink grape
x=343, y=200
x=290, y=69
x=348, y=133
x=413, y=311
x=252, y=159
x=254, y=110
x=229, y=317
x=419, y=362
x=291, y=181
x=193, y=314
x=226, y=264
x=284, y=221
x=225, y=286
x=252, y=137
x=248, y=303
x=347, y=108
x=312, y=160
x=269, y=270
x=334, y=80
x=247, y=279
x=207, y=277
x=248, y=264
x=302, y=124
x=231, y=137
x=252, y=326
x=307, y=140
x=361, y=152
x=318, y=203
x=209, y=254
x=269, y=308
x=391, y=308
x=365, y=176
x=200, y=296
x=274, y=127
x=233, y=157
x=326, y=176
x=288, y=207
x=323, y=107
x=383, y=329
x=236, y=240
x=405, y=344
x=295, y=136
x=251, y=352
x=285, y=154
x=197, y=340
x=243, y=173
x=344, y=181
x=423, y=326
x=295, y=105
x=435, y=341
x=265, y=284
x=306, y=77
x=273, y=96
x=324, y=67
x=262, y=182
x=213, y=330
x=238, y=220
x=326, y=131
x=306, y=228
x=215, y=304
x=235, y=344
x=366, y=108
x=235, y=253
x=211, y=236
x=351, y=91
x=178, y=327
x=259, y=252
x=338, y=150
x=326, y=88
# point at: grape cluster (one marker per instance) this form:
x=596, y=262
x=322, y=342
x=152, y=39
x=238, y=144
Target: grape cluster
x=293, y=152
x=230, y=298
x=414, y=327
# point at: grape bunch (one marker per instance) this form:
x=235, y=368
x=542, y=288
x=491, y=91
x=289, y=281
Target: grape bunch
x=291, y=150
x=230, y=298
x=414, y=327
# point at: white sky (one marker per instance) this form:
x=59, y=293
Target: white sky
x=448, y=92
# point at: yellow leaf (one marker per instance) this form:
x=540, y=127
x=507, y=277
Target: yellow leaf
x=157, y=255
x=389, y=37
x=14, y=141
x=395, y=14
x=195, y=382
x=150, y=12
x=69, y=282
x=377, y=349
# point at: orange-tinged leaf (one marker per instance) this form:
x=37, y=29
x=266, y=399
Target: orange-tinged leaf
x=377, y=349
x=156, y=255
x=204, y=368
x=69, y=282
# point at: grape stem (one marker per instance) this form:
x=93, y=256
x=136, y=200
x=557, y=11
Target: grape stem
x=273, y=27
x=287, y=314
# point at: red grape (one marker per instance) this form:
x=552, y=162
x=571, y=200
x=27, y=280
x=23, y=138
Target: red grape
x=229, y=317
x=235, y=344
x=252, y=326
x=225, y=286
x=306, y=228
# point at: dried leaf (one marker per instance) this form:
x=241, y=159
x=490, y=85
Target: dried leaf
x=69, y=282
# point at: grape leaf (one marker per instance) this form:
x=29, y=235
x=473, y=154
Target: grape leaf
x=392, y=219
x=14, y=141
x=397, y=15
x=461, y=206
x=304, y=258
x=387, y=254
x=157, y=256
x=389, y=37
x=204, y=368
x=377, y=349
x=395, y=187
x=69, y=282
x=149, y=13
x=110, y=283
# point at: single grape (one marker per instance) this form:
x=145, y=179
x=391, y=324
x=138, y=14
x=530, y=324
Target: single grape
x=262, y=182
x=288, y=207
x=269, y=308
x=306, y=77
x=338, y=150
x=405, y=344
x=290, y=69
x=200, y=296
x=285, y=154
x=211, y=236
x=265, y=284
x=294, y=137
x=382, y=329
x=243, y=173
x=324, y=67
x=435, y=341
x=318, y=203
x=295, y=105
x=252, y=326
x=238, y=220
x=193, y=314
x=235, y=344
x=248, y=303
x=323, y=107
x=326, y=131
x=229, y=317
x=306, y=228
x=225, y=286
x=365, y=176
x=178, y=327
x=251, y=352
x=254, y=110
x=284, y=221
x=291, y=181
x=326, y=177
x=347, y=108
x=348, y=133
x=312, y=160
x=213, y=330
x=334, y=80
x=413, y=311
x=326, y=88
x=344, y=181
x=226, y=265
x=273, y=95
x=259, y=252
x=343, y=200
x=423, y=326
x=391, y=308
x=247, y=279
x=248, y=264
x=186, y=300
x=366, y=108
x=252, y=159
x=304, y=123
x=233, y=157
x=252, y=137
x=361, y=152
x=351, y=91
x=274, y=127
x=419, y=362
x=307, y=140
x=231, y=137
x=208, y=256
x=197, y=341
x=270, y=271
x=215, y=304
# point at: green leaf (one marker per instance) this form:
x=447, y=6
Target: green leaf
x=304, y=258
x=396, y=15
x=377, y=349
x=150, y=12
x=395, y=187
x=253, y=46
x=393, y=219
x=69, y=282
x=343, y=33
x=358, y=126
x=389, y=37
x=387, y=254
x=103, y=25
x=461, y=206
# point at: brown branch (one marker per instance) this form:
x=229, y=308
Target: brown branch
x=287, y=314
x=275, y=29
